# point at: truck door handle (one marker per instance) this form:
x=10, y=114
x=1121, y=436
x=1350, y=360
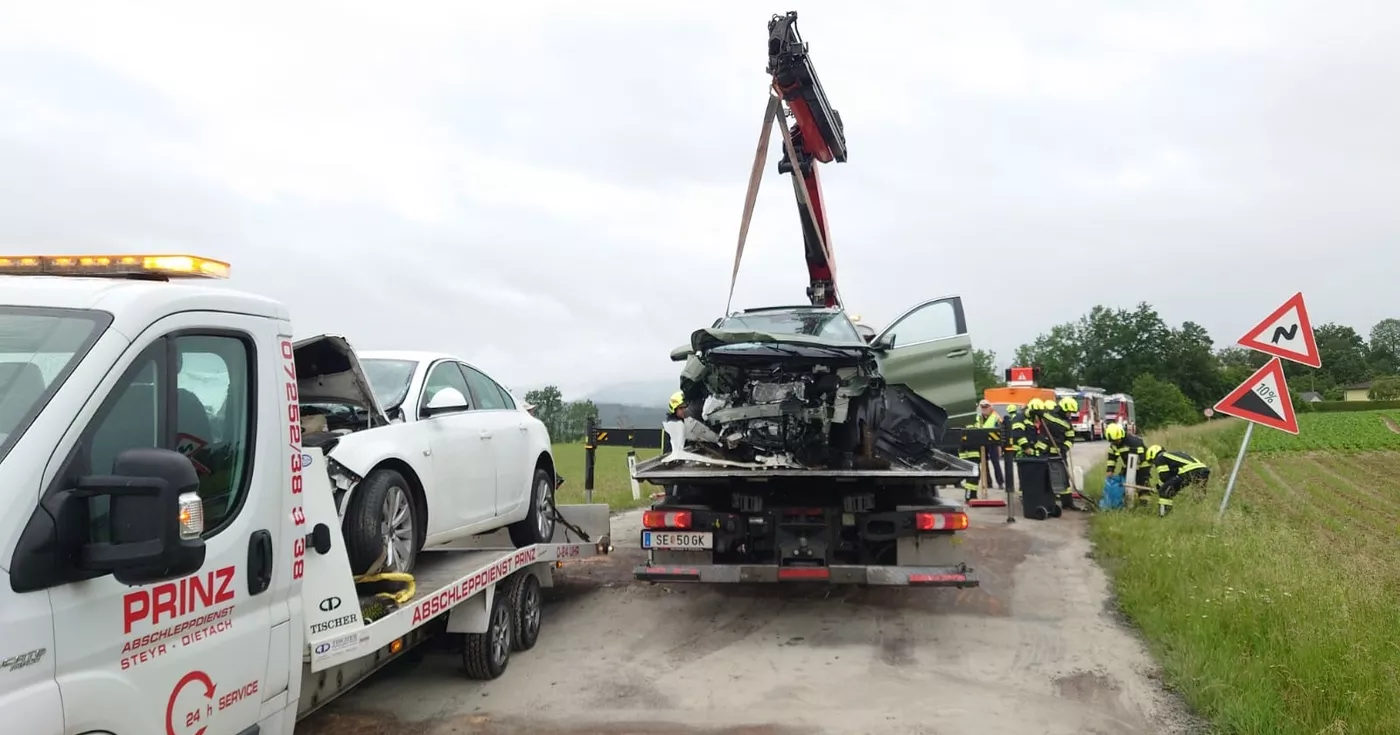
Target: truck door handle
x=957, y=353
x=259, y=562
x=523, y=428
x=485, y=435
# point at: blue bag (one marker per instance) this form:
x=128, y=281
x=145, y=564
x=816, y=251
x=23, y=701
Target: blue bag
x=1112, y=493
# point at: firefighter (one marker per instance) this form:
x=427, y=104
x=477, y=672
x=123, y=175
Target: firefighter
x=1172, y=471
x=1057, y=433
x=972, y=455
x=1069, y=408
x=1016, y=435
x=676, y=409
x=1121, y=444
x=988, y=418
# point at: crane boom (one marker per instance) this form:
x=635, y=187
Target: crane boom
x=817, y=137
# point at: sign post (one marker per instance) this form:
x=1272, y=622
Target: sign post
x=1263, y=398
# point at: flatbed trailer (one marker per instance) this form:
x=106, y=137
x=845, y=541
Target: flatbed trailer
x=485, y=590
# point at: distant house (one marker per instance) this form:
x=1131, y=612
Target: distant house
x=1358, y=392
x=1310, y=396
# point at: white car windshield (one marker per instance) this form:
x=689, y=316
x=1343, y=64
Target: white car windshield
x=38, y=348
x=389, y=379
x=826, y=324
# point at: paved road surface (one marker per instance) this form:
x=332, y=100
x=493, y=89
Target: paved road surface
x=1037, y=649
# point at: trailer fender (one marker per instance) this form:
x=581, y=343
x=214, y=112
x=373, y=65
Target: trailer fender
x=473, y=614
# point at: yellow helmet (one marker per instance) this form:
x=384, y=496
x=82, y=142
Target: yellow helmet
x=1069, y=405
x=1035, y=404
x=1011, y=409
x=1153, y=451
x=1114, y=432
x=677, y=399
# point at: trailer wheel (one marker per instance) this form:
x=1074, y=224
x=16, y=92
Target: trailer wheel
x=526, y=601
x=486, y=655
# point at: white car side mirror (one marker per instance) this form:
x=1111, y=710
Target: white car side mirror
x=446, y=400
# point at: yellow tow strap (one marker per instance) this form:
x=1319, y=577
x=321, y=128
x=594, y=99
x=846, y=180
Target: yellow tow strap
x=382, y=602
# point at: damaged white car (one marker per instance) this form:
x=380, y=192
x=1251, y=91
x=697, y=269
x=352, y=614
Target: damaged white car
x=423, y=450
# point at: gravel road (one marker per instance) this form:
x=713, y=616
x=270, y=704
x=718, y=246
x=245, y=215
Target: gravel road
x=1038, y=648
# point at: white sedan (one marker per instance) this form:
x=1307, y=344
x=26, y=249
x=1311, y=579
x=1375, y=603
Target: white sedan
x=435, y=451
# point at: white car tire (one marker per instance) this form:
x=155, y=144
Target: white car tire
x=538, y=525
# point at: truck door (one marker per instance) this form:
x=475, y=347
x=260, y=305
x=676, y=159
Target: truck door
x=928, y=349
x=508, y=434
x=188, y=656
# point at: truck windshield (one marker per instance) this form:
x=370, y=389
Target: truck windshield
x=826, y=324
x=38, y=349
x=389, y=379
x=1111, y=408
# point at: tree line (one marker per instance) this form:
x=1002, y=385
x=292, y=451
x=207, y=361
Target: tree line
x=1174, y=372
x=567, y=421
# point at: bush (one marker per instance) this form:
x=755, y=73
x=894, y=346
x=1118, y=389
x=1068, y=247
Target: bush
x=1160, y=403
x=1347, y=406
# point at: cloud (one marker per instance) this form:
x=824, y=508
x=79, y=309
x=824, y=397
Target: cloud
x=552, y=190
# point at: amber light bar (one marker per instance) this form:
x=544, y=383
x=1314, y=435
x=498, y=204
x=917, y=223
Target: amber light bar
x=167, y=266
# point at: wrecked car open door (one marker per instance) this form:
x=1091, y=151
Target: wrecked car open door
x=928, y=349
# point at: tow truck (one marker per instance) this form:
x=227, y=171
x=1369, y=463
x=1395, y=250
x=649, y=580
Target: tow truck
x=134, y=600
x=730, y=522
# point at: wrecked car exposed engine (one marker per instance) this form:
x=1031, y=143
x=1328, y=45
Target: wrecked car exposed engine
x=799, y=387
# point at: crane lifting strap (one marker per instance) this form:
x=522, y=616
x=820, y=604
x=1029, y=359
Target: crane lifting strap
x=774, y=112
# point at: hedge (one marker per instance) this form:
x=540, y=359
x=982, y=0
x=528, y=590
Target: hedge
x=1343, y=406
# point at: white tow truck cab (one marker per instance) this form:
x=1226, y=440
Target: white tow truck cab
x=170, y=556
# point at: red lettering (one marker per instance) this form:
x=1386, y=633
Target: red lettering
x=202, y=593
x=293, y=413
x=296, y=462
x=294, y=435
x=163, y=601
x=137, y=605
x=296, y=484
x=225, y=577
x=291, y=392
x=298, y=568
x=287, y=352
x=298, y=516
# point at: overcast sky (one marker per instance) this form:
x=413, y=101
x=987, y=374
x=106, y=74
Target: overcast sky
x=553, y=190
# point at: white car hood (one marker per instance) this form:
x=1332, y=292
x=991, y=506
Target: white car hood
x=328, y=371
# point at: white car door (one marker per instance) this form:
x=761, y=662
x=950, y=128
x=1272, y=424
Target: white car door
x=508, y=446
x=464, y=471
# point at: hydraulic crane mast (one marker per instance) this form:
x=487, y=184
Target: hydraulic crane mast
x=817, y=136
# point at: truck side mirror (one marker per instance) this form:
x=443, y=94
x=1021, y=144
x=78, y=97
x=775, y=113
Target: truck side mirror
x=154, y=517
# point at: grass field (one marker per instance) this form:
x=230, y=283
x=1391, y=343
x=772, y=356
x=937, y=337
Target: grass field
x=611, y=481
x=1282, y=618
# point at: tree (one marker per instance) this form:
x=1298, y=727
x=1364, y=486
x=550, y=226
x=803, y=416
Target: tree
x=549, y=409
x=1160, y=403
x=1058, y=355
x=1189, y=362
x=576, y=416
x=984, y=371
x=1385, y=389
x=1385, y=347
x=1343, y=353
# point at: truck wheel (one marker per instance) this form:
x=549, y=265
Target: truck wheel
x=538, y=525
x=380, y=520
x=526, y=600
x=486, y=655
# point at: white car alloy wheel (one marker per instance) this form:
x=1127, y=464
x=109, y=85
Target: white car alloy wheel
x=396, y=530
x=544, y=499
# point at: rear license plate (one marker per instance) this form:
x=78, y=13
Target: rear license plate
x=679, y=540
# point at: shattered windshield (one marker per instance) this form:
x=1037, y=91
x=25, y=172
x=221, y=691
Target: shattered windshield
x=389, y=379
x=38, y=348
x=826, y=324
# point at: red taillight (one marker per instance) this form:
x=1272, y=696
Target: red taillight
x=940, y=521
x=666, y=519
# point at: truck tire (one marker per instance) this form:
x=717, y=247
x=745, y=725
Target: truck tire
x=526, y=601
x=486, y=655
x=380, y=520
x=538, y=525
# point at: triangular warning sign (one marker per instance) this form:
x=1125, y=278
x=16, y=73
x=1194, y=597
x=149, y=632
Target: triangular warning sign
x=1286, y=333
x=1263, y=399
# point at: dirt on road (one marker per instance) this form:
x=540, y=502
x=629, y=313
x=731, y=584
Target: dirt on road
x=1038, y=648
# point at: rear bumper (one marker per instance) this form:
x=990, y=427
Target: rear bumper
x=886, y=576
